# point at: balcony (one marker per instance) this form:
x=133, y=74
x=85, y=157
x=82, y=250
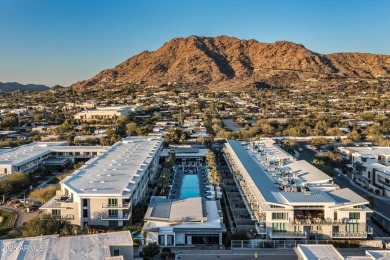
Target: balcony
x=116, y=217
x=288, y=234
x=261, y=228
x=349, y=235
x=318, y=221
x=116, y=206
x=66, y=217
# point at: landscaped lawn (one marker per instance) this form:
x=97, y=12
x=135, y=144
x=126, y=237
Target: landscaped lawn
x=7, y=219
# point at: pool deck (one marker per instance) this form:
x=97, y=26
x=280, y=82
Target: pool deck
x=177, y=182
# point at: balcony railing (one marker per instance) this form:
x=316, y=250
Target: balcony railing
x=117, y=206
x=328, y=221
x=344, y=234
x=116, y=217
x=67, y=217
x=261, y=228
x=288, y=234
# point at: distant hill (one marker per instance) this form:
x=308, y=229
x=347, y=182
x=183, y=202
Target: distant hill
x=13, y=86
x=229, y=63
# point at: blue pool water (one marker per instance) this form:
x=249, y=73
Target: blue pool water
x=190, y=187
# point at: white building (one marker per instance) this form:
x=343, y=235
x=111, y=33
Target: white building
x=292, y=199
x=105, y=113
x=115, y=245
x=183, y=222
x=30, y=157
x=375, y=173
x=103, y=191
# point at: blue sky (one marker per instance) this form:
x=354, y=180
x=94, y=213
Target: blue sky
x=64, y=41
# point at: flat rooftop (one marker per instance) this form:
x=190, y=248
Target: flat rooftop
x=371, y=150
x=176, y=210
x=118, y=170
x=25, y=153
x=309, y=252
x=180, y=213
x=96, y=246
x=265, y=184
x=380, y=167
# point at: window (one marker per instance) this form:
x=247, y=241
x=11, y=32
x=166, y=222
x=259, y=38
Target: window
x=169, y=240
x=202, y=239
x=279, y=227
x=112, y=223
x=316, y=228
x=56, y=212
x=354, y=215
x=352, y=228
x=116, y=252
x=161, y=239
x=298, y=228
x=85, y=203
x=113, y=202
x=279, y=215
x=85, y=213
x=113, y=213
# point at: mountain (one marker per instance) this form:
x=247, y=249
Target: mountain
x=14, y=86
x=225, y=62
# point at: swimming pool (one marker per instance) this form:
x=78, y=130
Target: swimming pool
x=189, y=186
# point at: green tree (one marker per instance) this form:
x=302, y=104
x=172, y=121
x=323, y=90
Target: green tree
x=215, y=180
x=44, y=194
x=151, y=250
x=46, y=224
x=354, y=136
x=359, y=168
x=131, y=128
x=19, y=181
x=318, y=142
x=5, y=187
x=164, y=180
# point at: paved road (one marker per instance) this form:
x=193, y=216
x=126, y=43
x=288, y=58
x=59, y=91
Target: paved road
x=271, y=253
x=307, y=154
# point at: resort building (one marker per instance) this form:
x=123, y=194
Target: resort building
x=190, y=221
x=28, y=158
x=292, y=199
x=103, y=191
x=101, y=113
x=186, y=156
x=108, y=246
x=374, y=172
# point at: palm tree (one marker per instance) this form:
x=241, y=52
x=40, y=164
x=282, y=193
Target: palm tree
x=215, y=180
x=210, y=158
x=164, y=179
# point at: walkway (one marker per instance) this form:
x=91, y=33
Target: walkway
x=21, y=218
